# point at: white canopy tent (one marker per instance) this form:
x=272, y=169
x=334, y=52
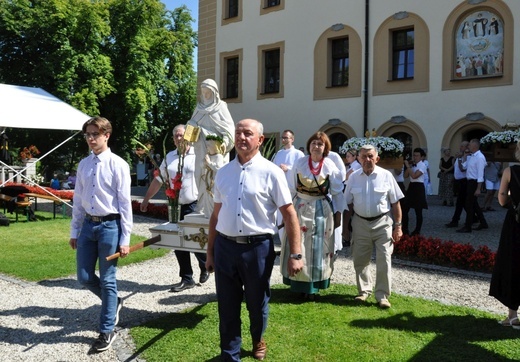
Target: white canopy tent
x=27, y=107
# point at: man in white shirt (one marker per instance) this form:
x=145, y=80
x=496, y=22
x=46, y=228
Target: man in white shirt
x=187, y=199
x=248, y=191
x=101, y=223
x=287, y=156
x=475, y=165
x=371, y=193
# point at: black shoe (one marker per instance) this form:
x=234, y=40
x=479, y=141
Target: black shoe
x=452, y=224
x=182, y=286
x=104, y=341
x=204, y=277
x=464, y=230
x=481, y=227
x=176, y=285
x=118, y=309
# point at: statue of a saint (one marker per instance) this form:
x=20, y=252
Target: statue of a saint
x=211, y=120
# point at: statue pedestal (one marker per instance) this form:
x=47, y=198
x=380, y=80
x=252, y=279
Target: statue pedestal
x=191, y=234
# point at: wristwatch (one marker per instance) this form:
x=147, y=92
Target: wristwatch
x=295, y=256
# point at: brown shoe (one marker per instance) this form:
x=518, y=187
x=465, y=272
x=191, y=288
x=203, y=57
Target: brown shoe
x=259, y=350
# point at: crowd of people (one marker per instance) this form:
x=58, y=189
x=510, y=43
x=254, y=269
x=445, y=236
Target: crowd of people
x=304, y=201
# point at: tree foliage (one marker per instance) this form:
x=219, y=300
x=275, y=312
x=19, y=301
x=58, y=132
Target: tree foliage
x=130, y=61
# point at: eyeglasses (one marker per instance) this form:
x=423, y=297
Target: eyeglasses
x=93, y=135
x=286, y=138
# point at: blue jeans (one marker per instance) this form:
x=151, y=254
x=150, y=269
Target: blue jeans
x=242, y=270
x=96, y=241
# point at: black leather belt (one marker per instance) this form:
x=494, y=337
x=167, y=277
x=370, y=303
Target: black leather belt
x=109, y=217
x=251, y=239
x=372, y=218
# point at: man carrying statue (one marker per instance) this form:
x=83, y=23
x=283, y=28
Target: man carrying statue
x=210, y=121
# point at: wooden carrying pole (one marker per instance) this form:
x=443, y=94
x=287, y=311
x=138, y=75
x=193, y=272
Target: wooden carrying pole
x=138, y=246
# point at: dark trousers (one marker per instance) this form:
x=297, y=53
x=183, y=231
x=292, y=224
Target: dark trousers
x=183, y=257
x=242, y=271
x=461, y=186
x=472, y=206
x=405, y=219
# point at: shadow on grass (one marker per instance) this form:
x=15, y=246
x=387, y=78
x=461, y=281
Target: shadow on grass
x=164, y=326
x=458, y=338
x=459, y=334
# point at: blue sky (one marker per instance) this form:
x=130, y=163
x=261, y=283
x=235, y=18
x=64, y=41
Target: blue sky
x=193, y=5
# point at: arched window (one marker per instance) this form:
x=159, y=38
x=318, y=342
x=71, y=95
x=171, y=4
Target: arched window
x=337, y=63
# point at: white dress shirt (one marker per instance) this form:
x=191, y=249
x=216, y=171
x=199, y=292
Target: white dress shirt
x=103, y=187
x=288, y=157
x=475, y=165
x=457, y=172
x=250, y=194
x=372, y=195
x=421, y=167
x=189, y=191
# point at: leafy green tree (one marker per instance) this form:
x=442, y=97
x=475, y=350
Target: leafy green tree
x=127, y=60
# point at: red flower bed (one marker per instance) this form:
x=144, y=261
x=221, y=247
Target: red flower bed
x=62, y=194
x=445, y=253
x=158, y=211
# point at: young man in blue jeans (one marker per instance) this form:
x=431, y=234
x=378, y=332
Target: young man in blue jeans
x=101, y=223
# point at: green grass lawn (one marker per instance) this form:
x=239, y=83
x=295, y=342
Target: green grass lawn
x=40, y=250
x=333, y=328
x=336, y=328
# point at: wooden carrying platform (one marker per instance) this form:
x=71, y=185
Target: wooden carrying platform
x=391, y=163
x=20, y=205
x=191, y=234
x=56, y=202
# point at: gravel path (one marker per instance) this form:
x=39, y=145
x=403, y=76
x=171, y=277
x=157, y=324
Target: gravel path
x=56, y=320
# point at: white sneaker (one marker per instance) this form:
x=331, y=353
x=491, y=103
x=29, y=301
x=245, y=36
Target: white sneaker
x=118, y=309
x=104, y=341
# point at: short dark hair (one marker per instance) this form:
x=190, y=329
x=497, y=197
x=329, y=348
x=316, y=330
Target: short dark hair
x=420, y=151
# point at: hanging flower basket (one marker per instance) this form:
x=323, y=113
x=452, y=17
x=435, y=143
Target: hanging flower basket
x=500, y=146
x=390, y=150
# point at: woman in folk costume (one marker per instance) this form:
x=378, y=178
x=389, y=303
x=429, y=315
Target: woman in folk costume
x=210, y=118
x=319, y=205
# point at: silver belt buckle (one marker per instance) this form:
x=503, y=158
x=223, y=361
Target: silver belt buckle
x=96, y=218
x=241, y=240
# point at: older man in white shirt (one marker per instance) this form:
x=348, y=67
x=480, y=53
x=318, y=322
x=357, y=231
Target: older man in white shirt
x=188, y=201
x=371, y=193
